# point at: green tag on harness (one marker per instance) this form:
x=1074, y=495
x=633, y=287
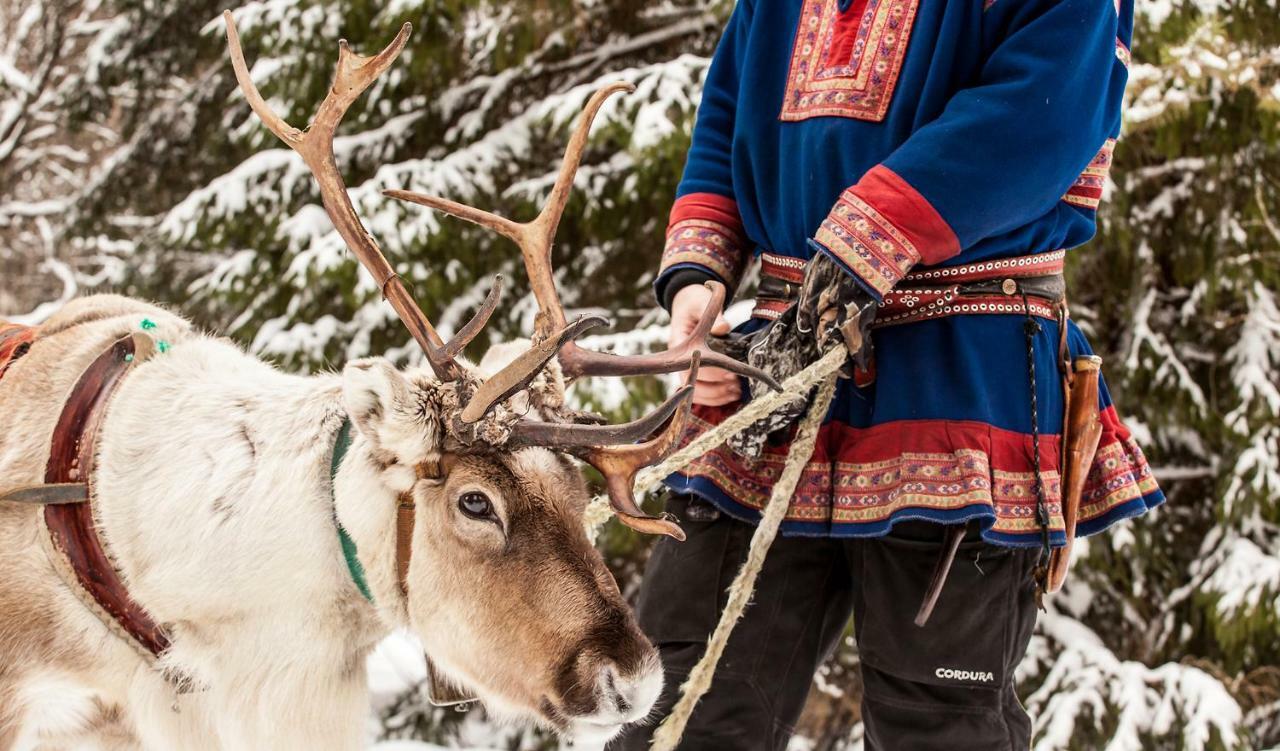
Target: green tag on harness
x=340, y=447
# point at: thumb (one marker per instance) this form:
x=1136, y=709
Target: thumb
x=720, y=327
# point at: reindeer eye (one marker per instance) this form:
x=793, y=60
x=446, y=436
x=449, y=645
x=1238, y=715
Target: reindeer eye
x=476, y=505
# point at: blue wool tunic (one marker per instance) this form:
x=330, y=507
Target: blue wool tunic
x=898, y=137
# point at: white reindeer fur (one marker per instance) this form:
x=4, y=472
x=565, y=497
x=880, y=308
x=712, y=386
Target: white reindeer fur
x=236, y=554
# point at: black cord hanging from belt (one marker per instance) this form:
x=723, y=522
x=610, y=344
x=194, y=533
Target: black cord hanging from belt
x=1032, y=327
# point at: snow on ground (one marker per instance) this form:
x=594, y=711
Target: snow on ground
x=396, y=666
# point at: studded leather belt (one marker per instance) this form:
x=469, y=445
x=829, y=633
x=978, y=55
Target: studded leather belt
x=1004, y=286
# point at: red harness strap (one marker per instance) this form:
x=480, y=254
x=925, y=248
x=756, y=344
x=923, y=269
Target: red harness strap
x=67, y=496
x=71, y=460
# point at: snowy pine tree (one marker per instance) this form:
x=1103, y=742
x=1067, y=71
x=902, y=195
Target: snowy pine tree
x=129, y=160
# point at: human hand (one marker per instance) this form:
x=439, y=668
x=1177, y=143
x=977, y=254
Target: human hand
x=715, y=386
x=831, y=310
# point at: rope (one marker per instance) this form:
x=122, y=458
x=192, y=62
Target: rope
x=1041, y=574
x=823, y=373
x=672, y=729
x=598, y=511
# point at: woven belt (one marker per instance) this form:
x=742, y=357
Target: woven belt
x=1005, y=286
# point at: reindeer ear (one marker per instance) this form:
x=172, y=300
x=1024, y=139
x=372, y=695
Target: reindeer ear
x=389, y=410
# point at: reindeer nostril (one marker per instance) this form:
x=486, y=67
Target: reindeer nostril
x=620, y=700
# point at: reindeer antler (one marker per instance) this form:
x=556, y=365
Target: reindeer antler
x=612, y=449
x=354, y=74
x=536, y=239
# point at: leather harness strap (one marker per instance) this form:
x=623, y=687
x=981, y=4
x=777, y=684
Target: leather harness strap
x=404, y=519
x=441, y=692
x=75, y=549
x=71, y=526
x=404, y=540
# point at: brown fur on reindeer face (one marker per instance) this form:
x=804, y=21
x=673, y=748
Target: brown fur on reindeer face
x=507, y=594
x=506, y=562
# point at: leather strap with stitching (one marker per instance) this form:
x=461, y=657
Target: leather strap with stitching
x=404, y=540
x=72, y=526
x=404, y=520
x=440, y=691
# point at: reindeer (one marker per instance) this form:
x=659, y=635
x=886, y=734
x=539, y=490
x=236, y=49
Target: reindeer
x=215, y=490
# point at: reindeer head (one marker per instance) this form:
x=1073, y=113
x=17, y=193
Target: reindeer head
x=494, y=571
x=497, y=573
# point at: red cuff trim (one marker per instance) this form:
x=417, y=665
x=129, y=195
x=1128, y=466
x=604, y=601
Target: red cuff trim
x=868, y=246
x=705, y=229
x=1087, y=190
x=709, y=207
x=881, y=227
x=913, y=215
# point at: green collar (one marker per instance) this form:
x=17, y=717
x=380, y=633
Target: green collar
x=340, y=448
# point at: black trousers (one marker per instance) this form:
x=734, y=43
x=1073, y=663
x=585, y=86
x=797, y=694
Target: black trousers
x=948, y=685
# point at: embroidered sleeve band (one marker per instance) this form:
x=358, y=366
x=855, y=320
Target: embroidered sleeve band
x=1087, y=190
x=705, y=232
x=881, y=227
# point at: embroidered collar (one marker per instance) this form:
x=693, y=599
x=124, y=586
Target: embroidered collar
x=340, y=447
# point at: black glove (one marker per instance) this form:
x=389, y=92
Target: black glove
x=838, y=309
x=832, y=309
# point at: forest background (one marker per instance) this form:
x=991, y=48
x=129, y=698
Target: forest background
x=129, y=162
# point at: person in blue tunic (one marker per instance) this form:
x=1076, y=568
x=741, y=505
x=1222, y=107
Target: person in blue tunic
x=910, y=175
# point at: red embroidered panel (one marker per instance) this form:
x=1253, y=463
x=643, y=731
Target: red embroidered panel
x=867, y=476
x=1087, y=190
x=847, y=64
